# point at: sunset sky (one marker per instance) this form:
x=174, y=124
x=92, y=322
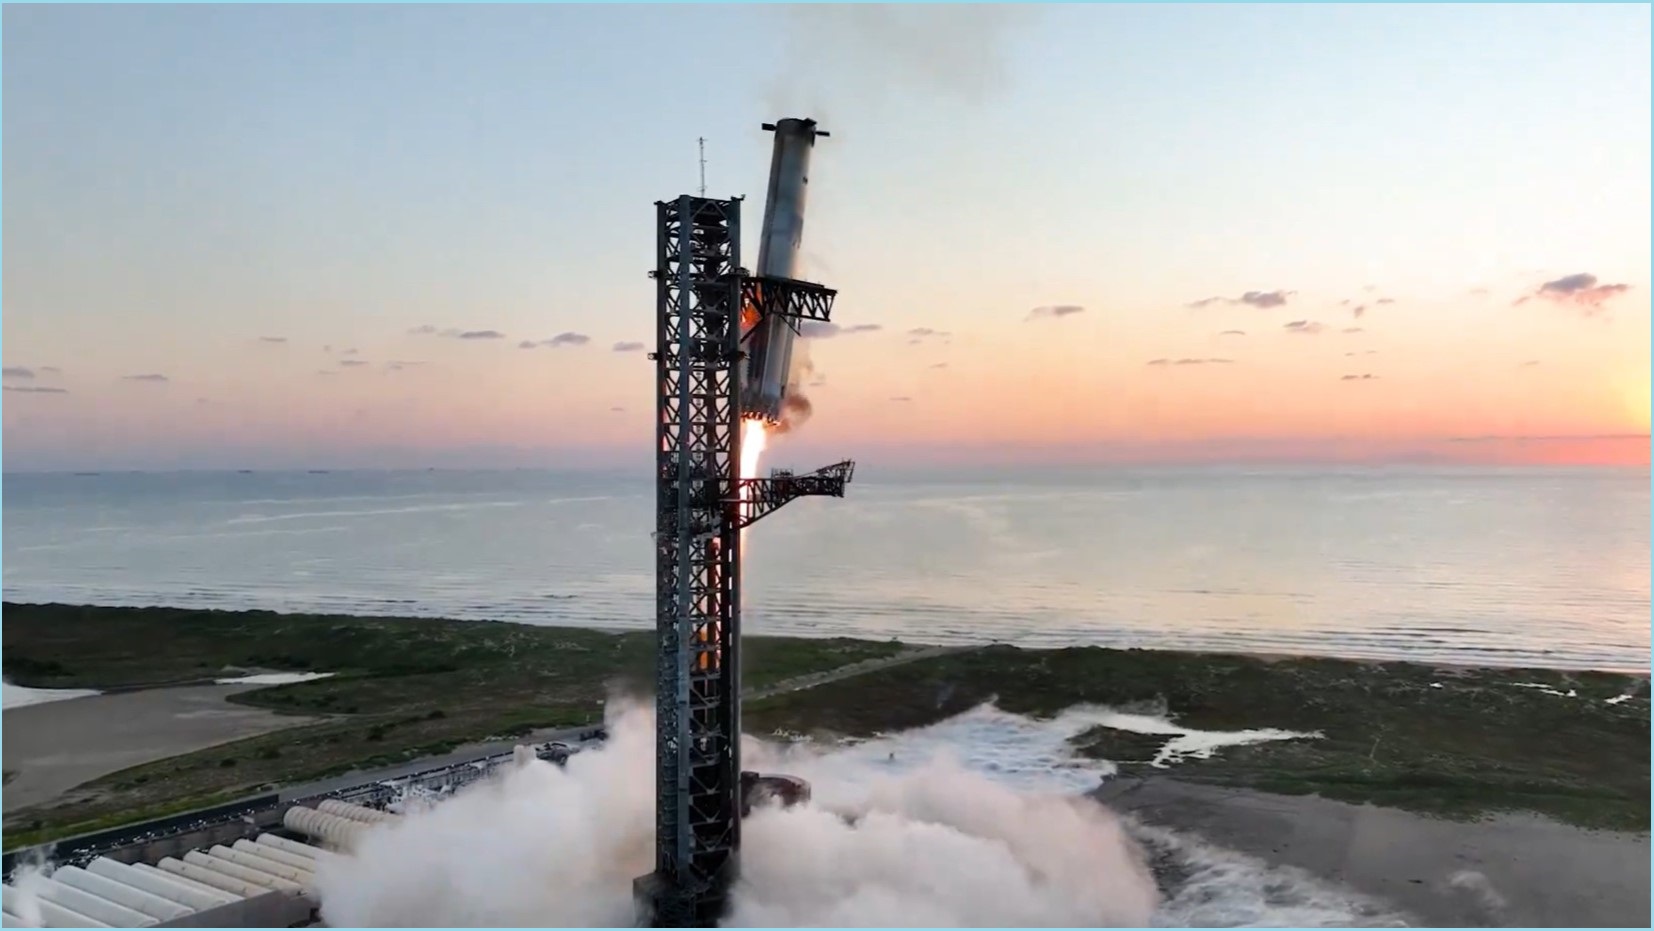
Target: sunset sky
x=251, y=237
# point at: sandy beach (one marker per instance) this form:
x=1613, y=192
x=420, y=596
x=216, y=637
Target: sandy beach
x=55, y=746
x=1513, y=870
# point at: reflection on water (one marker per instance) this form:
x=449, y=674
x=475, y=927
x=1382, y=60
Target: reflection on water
x=1543, y=567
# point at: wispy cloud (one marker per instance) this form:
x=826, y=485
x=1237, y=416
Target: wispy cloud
x=36, y=389
x=397, y=365
x=272, y=339
x=617, y=410
x=50, y=370
x=1581, y=291
x=628, y=347
x=1358, y=378
x=925, y=332
x=1306, y=327
x=1528, y=364
x=1261, y=299
x=1358, y=311
x=1352, y=329
x=1052, y=311
x=901, y=397
x=568, y=338
x=938, y=365
x=1385, y=300
x=1204, y=362
x=820, y=329
x=1362, y=352
x=1233, y=333
x=151, y=377
x=351, y=363
x=452, y=333
x=17, y=371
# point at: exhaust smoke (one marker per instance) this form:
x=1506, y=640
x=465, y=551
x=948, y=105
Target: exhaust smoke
x=899, y=834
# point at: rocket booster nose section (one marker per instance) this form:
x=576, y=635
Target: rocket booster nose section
x=768, y=340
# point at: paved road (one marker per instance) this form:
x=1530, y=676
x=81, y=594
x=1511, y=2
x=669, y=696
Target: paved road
x=800, y=683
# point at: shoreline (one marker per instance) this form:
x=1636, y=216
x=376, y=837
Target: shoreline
x=1263, y=655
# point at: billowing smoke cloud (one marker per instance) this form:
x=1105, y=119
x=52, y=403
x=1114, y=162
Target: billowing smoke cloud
x=559, y=847
x=857, y=54
x=1051, y=311
x=1263, y=299
x=796, y=406
x=1581, y=291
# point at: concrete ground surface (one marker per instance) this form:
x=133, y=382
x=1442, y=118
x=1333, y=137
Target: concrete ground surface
x=58, y=745
x=1506, y=871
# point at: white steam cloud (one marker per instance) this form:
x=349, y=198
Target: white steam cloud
x=897, y=835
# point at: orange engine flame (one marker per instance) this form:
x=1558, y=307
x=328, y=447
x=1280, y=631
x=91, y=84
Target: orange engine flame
x=754, y=433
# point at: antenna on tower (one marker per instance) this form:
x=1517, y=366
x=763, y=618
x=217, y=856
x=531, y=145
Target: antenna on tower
x=702, y=141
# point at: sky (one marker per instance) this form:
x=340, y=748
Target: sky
x=327, y=236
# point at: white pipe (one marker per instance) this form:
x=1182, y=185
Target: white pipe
x=52, y=915
x=275, y=855
x=237, y=871
x=316, y=854
x=340, y=832
x=254, y=862
x=159, y=884
x=224, y=896
x=120, y=893
x=213, y=878
x=93, y=906
x=360, y=813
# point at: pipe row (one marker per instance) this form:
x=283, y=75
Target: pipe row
x=355, y=812
x=174, y=889
x=341, y=833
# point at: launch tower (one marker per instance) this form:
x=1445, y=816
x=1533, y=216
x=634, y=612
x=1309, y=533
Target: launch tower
x=723, y=344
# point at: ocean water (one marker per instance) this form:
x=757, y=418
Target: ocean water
x=1511, y=567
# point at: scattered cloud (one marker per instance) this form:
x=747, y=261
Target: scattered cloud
x=397, y=365
x=1361, y=352
x=1052, y=311
x=351, y=363
x=938, y=365
x=1529, y=364
x=820, y=329
x=1204, y=362
x=152, y=377
x=1160, y=362
x=50, y=370
x=1479, y=292
x=527, y=344
x=272, y=339
x=1385, y=300
x=568, y=338
x=451, y=333
x=1358, y=310
x=348, y=352
x=1353, y=329
x=1261, y=299
x=1369, y=288
x=1233, y=333
x=617, y=410
x=1580, y=290
x=36, y=389
x=17, y=371
x=901, y=397
x=628, y=347
x=1358, y=378
x=1307, y=327
x=925, y=332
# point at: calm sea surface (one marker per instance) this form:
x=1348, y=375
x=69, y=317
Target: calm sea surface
x=1515, y=567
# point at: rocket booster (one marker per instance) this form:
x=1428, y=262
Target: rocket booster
x=769, y=342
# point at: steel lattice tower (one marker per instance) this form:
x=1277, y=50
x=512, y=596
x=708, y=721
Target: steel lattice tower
x=702, y=503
